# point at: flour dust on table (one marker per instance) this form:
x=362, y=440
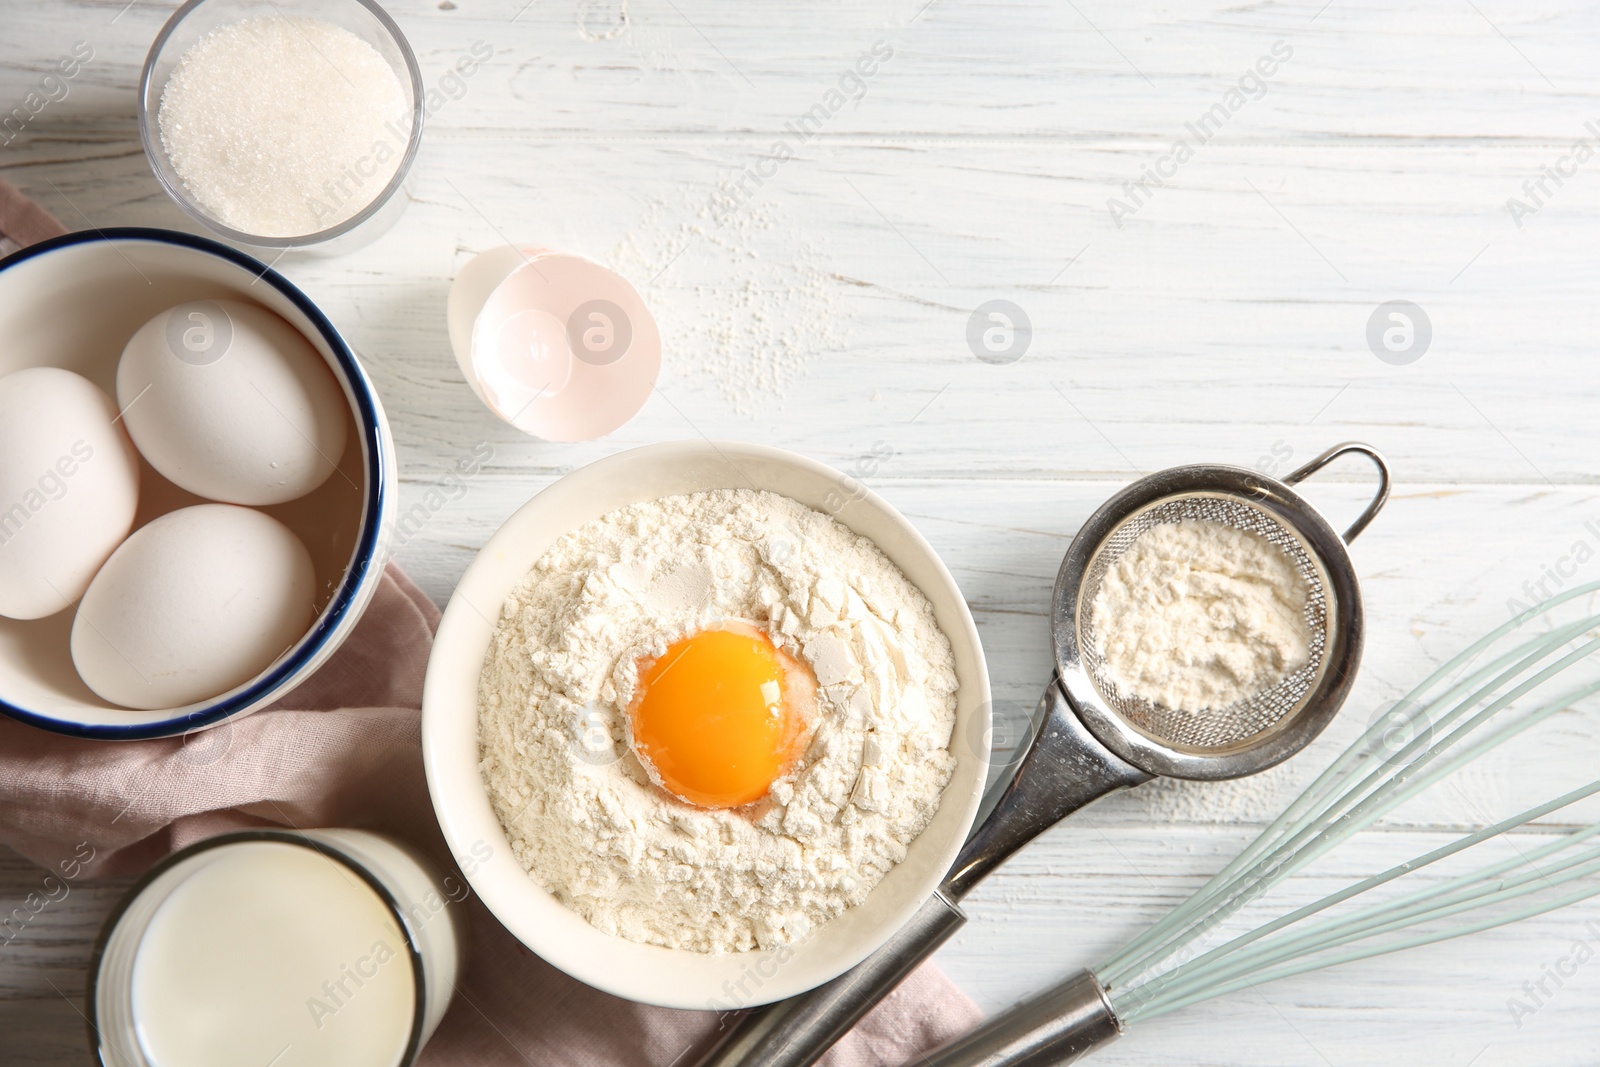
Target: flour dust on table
x=608, y=702
x=753, y=321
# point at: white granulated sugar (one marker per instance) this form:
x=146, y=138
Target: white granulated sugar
x=582, y=815
x=1199, y=614
x=742, y=301
x=284, y=126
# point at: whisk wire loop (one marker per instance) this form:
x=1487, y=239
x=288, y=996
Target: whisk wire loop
x=1461, y=713
x=1135, y=955
x=1464, y=892
x=1366, y=952
x=1290, y=844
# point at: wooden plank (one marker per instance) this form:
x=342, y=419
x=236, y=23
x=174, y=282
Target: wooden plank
x=1224, y=319
x=1361, y=68
x=1205, y=327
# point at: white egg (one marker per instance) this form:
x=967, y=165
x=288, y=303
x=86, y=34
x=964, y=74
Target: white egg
x=230, y=402
x=69, y=485
x=193, y=604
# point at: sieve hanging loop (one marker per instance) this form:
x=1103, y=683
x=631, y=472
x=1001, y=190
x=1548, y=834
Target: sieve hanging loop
x=1379, y=498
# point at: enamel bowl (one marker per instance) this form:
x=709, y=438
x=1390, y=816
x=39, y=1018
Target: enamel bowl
x=677, y=978
x=73, y=302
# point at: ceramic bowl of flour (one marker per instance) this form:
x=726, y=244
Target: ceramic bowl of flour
x=673, y=977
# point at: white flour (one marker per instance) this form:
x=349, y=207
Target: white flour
x=583, y=817
x=1198, y=615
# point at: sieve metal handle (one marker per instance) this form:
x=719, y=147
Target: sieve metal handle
x=1379, y=498
x=799, y=1031
x=1063, y=769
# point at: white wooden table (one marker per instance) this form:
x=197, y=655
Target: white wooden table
x=1221, y=316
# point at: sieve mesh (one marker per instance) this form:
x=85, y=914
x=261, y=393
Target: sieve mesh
x=1213, y=728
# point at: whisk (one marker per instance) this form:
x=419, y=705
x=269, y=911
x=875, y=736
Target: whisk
x=1465, y=709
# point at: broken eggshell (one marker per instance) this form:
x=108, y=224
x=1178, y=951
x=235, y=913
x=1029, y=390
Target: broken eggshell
x=554, y=344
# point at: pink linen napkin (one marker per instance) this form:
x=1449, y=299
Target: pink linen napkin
x=344, y=750
x=22, y=222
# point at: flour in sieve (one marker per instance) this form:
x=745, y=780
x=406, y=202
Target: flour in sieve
x=1199, y=614
x=581, y=813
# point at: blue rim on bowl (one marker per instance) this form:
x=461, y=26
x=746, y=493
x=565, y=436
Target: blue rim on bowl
x=369, y=427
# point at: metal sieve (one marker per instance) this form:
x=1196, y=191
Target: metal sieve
x=1213, y=728
x=1258, y=731
x=1092, y=740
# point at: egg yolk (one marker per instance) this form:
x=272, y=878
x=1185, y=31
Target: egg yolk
x=721, y=715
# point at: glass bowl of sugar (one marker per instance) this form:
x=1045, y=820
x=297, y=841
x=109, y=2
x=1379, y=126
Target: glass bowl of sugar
x=283, y=124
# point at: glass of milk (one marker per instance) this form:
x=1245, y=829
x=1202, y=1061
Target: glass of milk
x=281, y=948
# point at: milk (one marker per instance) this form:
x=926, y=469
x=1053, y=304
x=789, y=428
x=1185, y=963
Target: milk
x=270, y=953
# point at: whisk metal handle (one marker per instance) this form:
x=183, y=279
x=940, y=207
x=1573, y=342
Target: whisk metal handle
x=1063, y=769
x=1056, y=1028
x=1379, y=498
